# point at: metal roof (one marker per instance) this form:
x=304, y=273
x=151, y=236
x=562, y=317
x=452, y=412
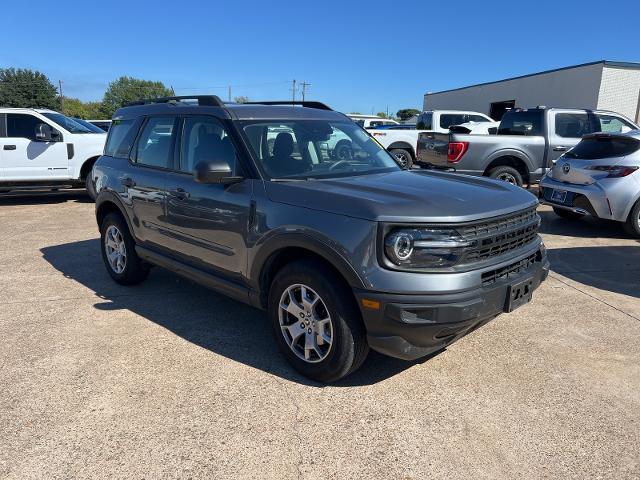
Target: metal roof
x=632, y=65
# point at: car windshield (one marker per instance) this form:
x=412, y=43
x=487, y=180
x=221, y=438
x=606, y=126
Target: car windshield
x=67, y=123
x=305, y=149
x=88, y=125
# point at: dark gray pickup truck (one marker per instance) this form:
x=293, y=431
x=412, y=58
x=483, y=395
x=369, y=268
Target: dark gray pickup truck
x=527, y=143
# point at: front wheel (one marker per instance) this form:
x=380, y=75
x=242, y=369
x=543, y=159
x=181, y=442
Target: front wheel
x=404, y=158
x=507, y=174
x=316, y=322
x=119, y=252
x=632, y=225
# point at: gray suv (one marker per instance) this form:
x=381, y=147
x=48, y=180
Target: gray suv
x=344, y=253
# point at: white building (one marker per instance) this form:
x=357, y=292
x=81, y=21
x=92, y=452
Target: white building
x=602, y=85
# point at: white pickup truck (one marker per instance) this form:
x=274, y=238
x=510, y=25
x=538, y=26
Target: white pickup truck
x=42, y=149
x=403, y=142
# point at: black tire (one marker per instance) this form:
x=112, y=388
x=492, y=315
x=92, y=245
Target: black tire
x=91, y=187
x=348, y=348
x=632, y=225
x=404, y=157
x=568, y=214
x=507, y=174
x=343, y=150
x=135, y=270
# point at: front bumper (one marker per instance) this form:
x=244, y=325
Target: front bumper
x=412, y=326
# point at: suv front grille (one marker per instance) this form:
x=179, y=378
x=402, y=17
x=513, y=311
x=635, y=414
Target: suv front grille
x=501, y=235
x=512, y=270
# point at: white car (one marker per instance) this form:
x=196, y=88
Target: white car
x=371, y=121
x=43, y=149
x=598, y=177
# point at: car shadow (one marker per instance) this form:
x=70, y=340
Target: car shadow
x=207, y=319
x=587, y=227
x=44, y=197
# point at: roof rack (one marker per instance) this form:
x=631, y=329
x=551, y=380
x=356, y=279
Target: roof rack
x=203, y=100
x=303, y=103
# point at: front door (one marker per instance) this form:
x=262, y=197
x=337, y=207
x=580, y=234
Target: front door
x=565, y=131
x=24, y=158
x=208, y=223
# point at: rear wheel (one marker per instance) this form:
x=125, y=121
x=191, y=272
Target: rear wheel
x=403, y=157
x=316, y=322
x=506, y=174
x=632, y=225
x=119, y=253
x=568, y=214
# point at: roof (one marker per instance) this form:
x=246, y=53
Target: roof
x=632, y=65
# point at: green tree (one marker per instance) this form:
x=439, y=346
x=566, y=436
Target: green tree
x=241, y=99
x=74, y=107
x=381, y=115
x=128, y=89
x=94, y=110
x=27, y=89
x=407, y=113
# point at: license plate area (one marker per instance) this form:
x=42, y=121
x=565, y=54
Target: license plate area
x=519, y=294
x=559, y=196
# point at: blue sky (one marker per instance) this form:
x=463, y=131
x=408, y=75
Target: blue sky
x=357, y=56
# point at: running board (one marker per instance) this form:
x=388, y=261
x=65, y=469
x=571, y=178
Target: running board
x=225, y=287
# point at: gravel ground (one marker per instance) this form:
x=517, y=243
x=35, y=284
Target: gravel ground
x=169, y=380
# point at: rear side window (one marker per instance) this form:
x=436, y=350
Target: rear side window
x=425, y=121
x=448, y=119
x=21, y=125
x=156, y=143
x=121, y=136
x=604, y=147
x=523, y=122
x=572, y=125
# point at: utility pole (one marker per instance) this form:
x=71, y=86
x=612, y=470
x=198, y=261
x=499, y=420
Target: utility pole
x=304, y=89
x=229, y=93
x=293, y=91
x=61, y=97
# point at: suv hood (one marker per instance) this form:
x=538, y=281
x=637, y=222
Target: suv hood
x=405, y=196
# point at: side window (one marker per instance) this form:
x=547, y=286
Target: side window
x=121, y=137
x=476, y=118
x=448, y=119
x=155, y=146
x=205, y=139
x=21, y=125
x=572, y=125
x=610, y=123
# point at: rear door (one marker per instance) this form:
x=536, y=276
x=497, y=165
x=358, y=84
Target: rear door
x=25, y=158
x=208, y=222
x=566, y=128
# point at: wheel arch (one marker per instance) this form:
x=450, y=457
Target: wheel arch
x=107, y=203
x=404, y=146
x=87, y=166
x=517, y=161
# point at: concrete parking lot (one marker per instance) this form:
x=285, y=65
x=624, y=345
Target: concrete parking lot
x=170, y=380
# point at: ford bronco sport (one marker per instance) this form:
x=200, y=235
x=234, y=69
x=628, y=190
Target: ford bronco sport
x=344, y=254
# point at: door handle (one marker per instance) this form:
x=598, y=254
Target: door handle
x=560, y=148
x=127, y=182
x=9, y=147
x=180, y=193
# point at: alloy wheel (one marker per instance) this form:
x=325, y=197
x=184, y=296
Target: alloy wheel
x=115, y=249
x=507, y=177
x=305, y=323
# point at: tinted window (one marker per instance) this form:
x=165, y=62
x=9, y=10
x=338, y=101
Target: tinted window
x=22, y=125
x=68, y=123
x=121, y=138
x=448, y=119
x=604, y=147
x=203, y=139
x=572, y=125
x=610, y=123
x=155, y=146
x=476, y=118
x=521, y=123
x=424, y=121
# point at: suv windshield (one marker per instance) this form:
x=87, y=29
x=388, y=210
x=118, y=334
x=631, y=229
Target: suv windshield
x=67, y=123
x=290, y=149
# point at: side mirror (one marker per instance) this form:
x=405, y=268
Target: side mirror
x=214, y=171
x=43, y=132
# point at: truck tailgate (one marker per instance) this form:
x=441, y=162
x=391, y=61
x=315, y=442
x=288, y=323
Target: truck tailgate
x=433, y=148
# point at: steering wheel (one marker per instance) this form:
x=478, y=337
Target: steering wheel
x=338, y=163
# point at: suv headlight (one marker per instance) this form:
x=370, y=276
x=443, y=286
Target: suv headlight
x=425, y=247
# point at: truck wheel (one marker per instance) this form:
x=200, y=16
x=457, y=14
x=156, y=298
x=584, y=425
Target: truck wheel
x=506, y=174
x=316, y=322
x=343, y=150
x=403, y=156
x=119, y=253
x=632, y=225
x=568, y=214
x=91, y=188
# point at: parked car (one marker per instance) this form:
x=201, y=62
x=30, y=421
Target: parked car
x=90, y=126
x=43, y=149
x=371, y=121
x=103, y=124
x=402, y=143
x=344, y=255
x=476, y=128
x=527, y=143
x=598, y=177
